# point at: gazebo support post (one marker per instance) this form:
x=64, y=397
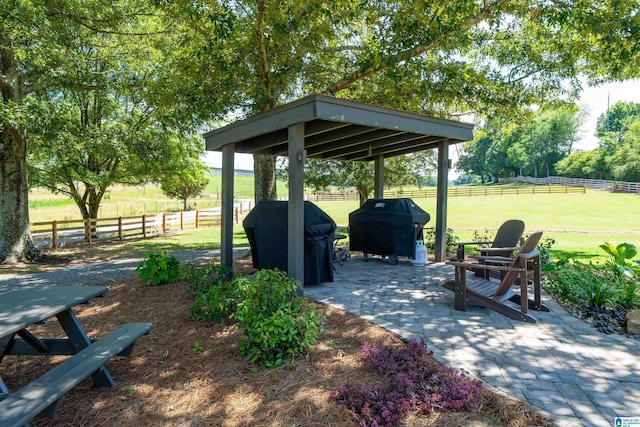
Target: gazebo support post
x=378, y=191
x=441, y=202
x=295, y=242
x=226, y=232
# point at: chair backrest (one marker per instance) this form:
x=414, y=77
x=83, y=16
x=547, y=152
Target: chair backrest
x=510, y=277
x=508, y=236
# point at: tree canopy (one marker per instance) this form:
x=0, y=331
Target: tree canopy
x=136, y=73
x=413, y=169
x=538, y=144
x=618, y=154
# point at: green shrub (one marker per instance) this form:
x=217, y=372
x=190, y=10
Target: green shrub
x=217, y=303
x=629, y=295
x=278, y=325
x=158, y=268
x=430, y=239
x=598, y=290
x=544, y=246
x=588, y=286
x=483, y=236
x=564, y=283
x=619, y=257
x=200, y=278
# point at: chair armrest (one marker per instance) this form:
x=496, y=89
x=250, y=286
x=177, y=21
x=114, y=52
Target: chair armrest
x=461, y=245
x=529, y=255
x=471, y=243
x=473, y=265
x=493, y=259
x=489, y=250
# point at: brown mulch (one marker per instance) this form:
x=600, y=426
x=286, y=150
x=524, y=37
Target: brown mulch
x=168, y=383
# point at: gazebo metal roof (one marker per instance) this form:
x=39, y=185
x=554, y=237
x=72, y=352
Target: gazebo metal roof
x=323, y=127
x=339, y=129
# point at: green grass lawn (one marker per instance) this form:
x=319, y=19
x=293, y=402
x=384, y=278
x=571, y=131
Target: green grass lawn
x=135, y=200
x=577, y=222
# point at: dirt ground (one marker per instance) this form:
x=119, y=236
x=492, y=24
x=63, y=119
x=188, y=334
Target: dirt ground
x=169, y=381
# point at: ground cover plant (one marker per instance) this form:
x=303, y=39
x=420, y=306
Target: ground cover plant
x=190, y=373
x=601, y=294
x=415, y=382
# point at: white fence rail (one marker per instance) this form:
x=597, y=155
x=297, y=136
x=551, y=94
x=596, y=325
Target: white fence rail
x=596, y=184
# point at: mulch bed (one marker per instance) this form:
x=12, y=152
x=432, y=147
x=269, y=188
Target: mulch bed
x=168, y=382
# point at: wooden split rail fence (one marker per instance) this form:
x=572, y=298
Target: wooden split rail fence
x=457, y=191
x=54, y=234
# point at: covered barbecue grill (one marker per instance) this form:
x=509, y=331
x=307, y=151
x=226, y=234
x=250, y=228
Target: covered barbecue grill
x=387, y=227
x=266, y=227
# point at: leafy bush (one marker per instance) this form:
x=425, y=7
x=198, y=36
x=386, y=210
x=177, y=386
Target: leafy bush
x=598, y=289
x=372, y=406
x=619, y=256
x=584, y=286
x=200, y=278
x=629, y=295
x=602, y=294
x=278, y=325
x=544, y=246
x=564, y=283
x=430, y=239
x=158, y=268
x=219, y=302
x=415, y=381
x=483, y=236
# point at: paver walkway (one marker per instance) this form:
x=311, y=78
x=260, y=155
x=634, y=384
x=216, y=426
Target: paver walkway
x=572, y=372
x=568, y=369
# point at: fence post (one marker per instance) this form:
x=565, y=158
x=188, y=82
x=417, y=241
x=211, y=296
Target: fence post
x=120, y=228
x=181, y=220
x=164, y=222
x=144, y=225
x=197, y=218
x=54, y=234
x=236, y=215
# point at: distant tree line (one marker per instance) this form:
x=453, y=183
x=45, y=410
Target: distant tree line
x=544, y=145
x=617, y=156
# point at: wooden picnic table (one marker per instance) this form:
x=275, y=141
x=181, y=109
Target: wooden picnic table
x=21, y=308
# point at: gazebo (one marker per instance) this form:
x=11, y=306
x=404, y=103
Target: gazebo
x=323, y=127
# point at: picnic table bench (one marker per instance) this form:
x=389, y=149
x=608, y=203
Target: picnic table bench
x=23, y=307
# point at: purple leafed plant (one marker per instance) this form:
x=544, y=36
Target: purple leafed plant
x=416, y=382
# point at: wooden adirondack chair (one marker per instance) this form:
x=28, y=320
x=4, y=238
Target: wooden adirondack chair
x=504, y=244
x=493, y=294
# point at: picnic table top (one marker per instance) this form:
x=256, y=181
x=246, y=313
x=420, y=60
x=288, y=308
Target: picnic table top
x=22, y=307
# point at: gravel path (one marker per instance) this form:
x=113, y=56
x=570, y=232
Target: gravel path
x=104, y=271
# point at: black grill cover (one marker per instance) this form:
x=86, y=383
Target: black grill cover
x=387, y=227
x=267, y=227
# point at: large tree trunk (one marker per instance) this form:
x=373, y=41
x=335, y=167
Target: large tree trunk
x=15, y=236
x=264, y=168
